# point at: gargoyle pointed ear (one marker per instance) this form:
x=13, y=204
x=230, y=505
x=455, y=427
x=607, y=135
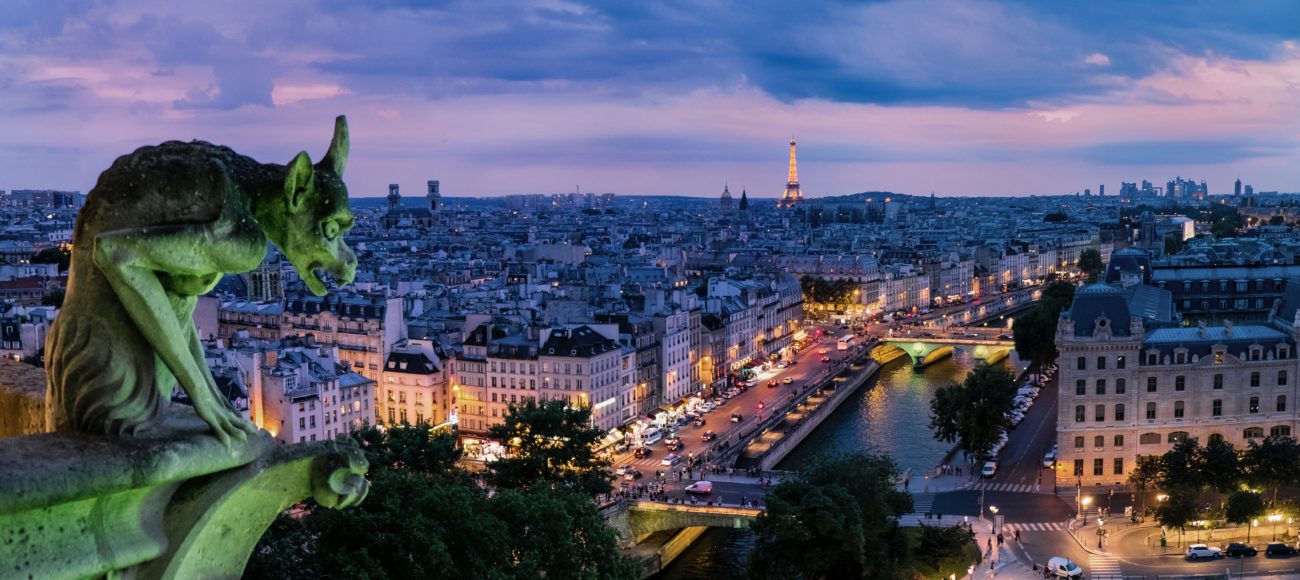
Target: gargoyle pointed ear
x=337, y=157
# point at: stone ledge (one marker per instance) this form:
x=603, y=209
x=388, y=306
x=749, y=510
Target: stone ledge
x=22, y=399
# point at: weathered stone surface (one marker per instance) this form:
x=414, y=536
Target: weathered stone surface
x=22, y=399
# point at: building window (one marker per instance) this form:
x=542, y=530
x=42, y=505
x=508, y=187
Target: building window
x=1149, y=438
x=1078, y=413
x=1078, y=442
x=1254, y=379
x=1101, y=386
x=1180, y=383
x=1180, y=357
x=1151, y=410
x=1216, y=408
x=1177, y=436
x=1119, y=412
x=1101, y=363
x=1119, y=466
x=1119, y=362
x=1099, y=441
x=1152, y=358
x=1151, y=384
x=1100, y=414
x=1218, y=381
x=1178, y=409
x=1119, y=440
x=1083, y=363
x=1281, y=378
x=1252, y=432
x=1254, y=405
x=1097, y=465
x=1280, y=431
x=1281, y=403
x=1216, y=438
x=1120, y=386
x=1081, y=387
x=1078, y=467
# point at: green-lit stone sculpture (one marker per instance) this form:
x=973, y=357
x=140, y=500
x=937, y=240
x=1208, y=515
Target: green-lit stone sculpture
x=159, y=229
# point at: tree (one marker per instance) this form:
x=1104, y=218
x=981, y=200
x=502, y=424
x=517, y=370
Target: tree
x=409, y=447
x=1181, y=468
x=556, y=532
x=53, y=298
x=1090, y=263
x=1056, y=297
x=1055, y=217
x=836, y=518
x=1034, y=334
x=1243, y=507
x=1276, y=220
x=1145, y=475
x=1177, y=510
x=1173, y=245
x=974, y=412
x=57, y=255
x=1219, y=465
x=1274, y=463
x=936, y=544
x=549, y=442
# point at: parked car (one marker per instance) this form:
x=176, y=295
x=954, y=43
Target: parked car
x=698, y=422
x=622, y=470
x=700, y=487
x=826, y=359
x=709, y=436
x=787, y=380
x=990, y=468
x=632, y=475
x=1049, y=459
x=736, y=417
x=1235, y=550
x=670, y=460
x=1199, y=551
x=1279, y=549
x=1063, y=568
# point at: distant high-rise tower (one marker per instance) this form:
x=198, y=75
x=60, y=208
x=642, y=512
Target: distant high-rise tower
x=726, y=199
x=394, y=198
x=1101, y=190
x=434, y=195
x=1236, y=187
x=792, y=193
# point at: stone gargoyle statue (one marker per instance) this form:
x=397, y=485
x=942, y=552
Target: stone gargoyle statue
x=158, y=230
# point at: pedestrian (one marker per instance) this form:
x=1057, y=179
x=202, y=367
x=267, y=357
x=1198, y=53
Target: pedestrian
x=999, y=539
x=990, y=545
x=1017, y=536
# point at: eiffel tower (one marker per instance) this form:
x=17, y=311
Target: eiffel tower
x=792, y=193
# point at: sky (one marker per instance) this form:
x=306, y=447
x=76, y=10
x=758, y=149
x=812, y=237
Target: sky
x=975, y=97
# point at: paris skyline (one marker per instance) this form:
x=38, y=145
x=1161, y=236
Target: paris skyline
x=976, y=98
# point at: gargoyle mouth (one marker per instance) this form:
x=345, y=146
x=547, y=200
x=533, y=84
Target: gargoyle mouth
x=314, y=278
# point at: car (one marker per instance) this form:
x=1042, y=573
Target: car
x=1049, y=459
x=698, y=422
x=772, y=384
x=670, y=460
x=708, y=407
x=782, y=365
x=1279, y=549
x=990, y=468
x=632, y=475
x=675, y=446
x=642, y=452
x=700, y=487
x=826, y=359
x=709, y=436
x=1063, y=568
x=622, y=470
x=1199, y=551
x=1004, y=336
x=751, y=383
x=787, y=380
x=1235, y=550
x=736, y=417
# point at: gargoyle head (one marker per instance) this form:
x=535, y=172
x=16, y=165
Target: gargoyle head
x=316, y=204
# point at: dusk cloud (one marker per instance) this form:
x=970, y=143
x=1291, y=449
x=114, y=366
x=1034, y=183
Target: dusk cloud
x=495, y=97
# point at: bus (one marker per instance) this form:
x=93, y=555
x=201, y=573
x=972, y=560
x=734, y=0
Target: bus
x=845, y=342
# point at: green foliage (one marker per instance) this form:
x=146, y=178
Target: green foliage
x=1034, y=332
x=1055, y=217
x=1181, y=468
x=1145, y=475
x=944, y=547
x=1274, y=463
x=1243, y=506
x=53, y=298
x=974, y=412
x=1057, y=296
x=58, y=255
x=426, y=518
x=1276, y=220
x=834, y=519
x=1178, y=509
x=1090, y=263
x=832, y=292
x=1219, y=464
x=549, y=442
x=1173, y=245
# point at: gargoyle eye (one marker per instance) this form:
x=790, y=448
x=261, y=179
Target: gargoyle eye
x=330, y=229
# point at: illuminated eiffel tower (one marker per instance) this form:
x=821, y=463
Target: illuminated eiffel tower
x=792, y=193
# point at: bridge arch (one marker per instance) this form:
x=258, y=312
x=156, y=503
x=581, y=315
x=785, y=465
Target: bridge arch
x=639, y=519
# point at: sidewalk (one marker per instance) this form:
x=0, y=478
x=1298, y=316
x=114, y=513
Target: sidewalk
x=1004, y=563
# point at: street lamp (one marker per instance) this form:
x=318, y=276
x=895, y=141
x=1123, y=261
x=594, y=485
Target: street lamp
x=994, y=510
x=1101, y=531
x=1275, y=518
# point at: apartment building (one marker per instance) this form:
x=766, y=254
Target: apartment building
x=413, y=385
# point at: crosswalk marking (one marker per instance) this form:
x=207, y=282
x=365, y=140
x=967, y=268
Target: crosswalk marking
x=1007, y=487
x=1103, y=566
x=1033, y=527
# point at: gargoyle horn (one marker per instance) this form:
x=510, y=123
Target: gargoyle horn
x=337, y=157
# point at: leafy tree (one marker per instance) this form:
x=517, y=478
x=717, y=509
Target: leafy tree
x=57, y=255
x=974, y=412
x=1090, y=263
x=1145, y=475
x=1055, y=217
x=1056, y=297
x=53, y=298
x=411, y=448
x=1034, y=334
x=1177, y=510
x=1219, y=465
x=1173, y=245
x=1181, y=468
x=1274, y=463
x=1276, y=220
x=549, y=442
x=556, y=532
x=835, y=519
x=1243, y=507
x=936, y=544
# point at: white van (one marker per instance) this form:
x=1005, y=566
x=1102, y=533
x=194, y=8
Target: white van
x=651, y=436
x=1060, y=567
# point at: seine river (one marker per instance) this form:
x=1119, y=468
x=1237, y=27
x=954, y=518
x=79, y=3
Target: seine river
x=890, y=414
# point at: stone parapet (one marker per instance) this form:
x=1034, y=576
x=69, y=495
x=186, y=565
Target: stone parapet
x=22, y=399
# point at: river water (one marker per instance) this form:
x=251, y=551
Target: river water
x=890, y=414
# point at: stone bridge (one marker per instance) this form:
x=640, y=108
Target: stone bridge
x=924, y=351
x=636, y=520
